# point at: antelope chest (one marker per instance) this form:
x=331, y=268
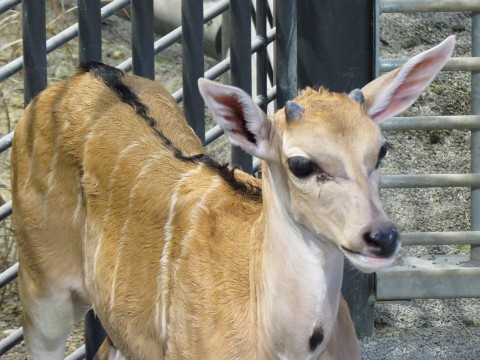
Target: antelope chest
x=302, y=306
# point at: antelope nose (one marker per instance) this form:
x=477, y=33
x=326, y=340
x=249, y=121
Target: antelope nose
x=382, y=243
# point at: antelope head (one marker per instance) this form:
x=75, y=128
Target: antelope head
x=322, y=154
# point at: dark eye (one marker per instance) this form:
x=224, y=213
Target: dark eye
x=383, y=152
x=301, y=166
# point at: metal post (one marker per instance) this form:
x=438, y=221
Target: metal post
x=336, y=49
x=193, y=64
x=335, y=43
x=94, y=335
x=89, y=30
x=90, y=49
x=34, y=48
x=142, y=38
x=475, y=146
x=241, y=69
x=286, y=50
x=225, y=38
x=262, y=57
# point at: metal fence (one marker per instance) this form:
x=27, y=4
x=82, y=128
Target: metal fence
x=448, y=276
x=429, y=281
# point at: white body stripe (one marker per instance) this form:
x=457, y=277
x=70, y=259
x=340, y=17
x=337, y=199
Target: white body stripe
x=162, y=287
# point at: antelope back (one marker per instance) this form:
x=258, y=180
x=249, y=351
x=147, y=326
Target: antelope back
x=106, y=178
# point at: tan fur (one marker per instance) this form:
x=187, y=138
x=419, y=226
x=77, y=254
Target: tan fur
x=92, y=196
x=115, y=207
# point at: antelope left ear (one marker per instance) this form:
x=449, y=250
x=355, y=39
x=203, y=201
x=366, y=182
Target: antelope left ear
x=395, y=91
x=242, y=121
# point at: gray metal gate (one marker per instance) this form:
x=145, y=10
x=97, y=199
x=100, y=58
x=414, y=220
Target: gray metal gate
x=450, y=275
x=416, y=278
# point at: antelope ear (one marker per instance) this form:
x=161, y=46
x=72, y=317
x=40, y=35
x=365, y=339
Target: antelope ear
x=244, y=123
x=395, y=91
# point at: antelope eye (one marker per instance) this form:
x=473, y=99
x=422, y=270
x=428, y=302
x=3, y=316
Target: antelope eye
x=383, y=152
x=301, y=166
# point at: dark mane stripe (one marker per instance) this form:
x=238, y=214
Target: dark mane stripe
x=112, y=77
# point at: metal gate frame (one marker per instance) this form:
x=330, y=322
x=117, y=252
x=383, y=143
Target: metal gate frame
x=446, y=276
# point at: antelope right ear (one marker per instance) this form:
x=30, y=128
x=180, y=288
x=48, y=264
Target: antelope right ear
x=395, y=91
x=242, y=121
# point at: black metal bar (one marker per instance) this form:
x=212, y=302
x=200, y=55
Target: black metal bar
x=241, y=63
x=11, y=340
x=223, y=66
x=9, y=275
x=336, y=49
x=193, y=65
x=262, y=56
x=89, y=30
x=8, y=4
x=90, y=48
x=336, y=44
x=34, y=48
x=58, y=40
x=94, y=335
x=286, y=51
x=143, y=61
x=176, y=34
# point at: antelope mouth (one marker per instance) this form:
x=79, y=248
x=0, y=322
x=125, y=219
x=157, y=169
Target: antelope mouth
x=368, y=262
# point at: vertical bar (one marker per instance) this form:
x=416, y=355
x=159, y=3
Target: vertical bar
x=336, y=49
x=475, y=145
x=286, y=50
x=143, y=63
x=193, y=64
x=89, y=30
x=34, y=48
x=241, y=63
x=336, y=44
x=262, y=58
x=376, y=39
x=90, y=49
x=94, y=335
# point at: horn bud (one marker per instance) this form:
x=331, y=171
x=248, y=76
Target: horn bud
x=293, y=111
x=357, y=95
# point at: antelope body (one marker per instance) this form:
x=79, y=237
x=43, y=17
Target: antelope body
x=116, y=206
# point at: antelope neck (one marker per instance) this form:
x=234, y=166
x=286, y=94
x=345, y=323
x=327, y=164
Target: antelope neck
x=298, y=271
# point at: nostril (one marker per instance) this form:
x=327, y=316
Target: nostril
x=383, y=242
